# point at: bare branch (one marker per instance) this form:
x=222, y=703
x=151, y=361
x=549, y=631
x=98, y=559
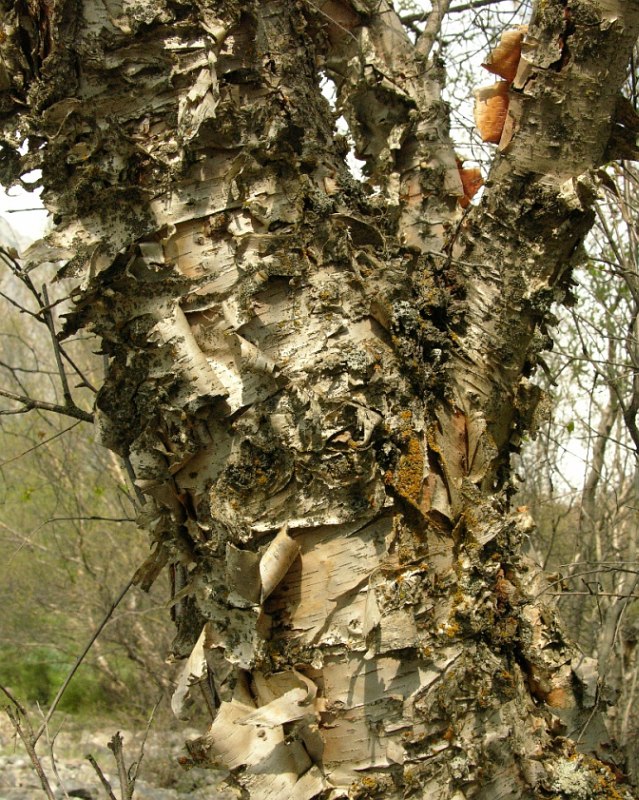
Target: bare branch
x=54, y=765
x=39, y=444
x=433, y=26
x=559, y=581
x=66, y=392
x=409, y=19
x=11, y=260
x=84, y=381
x=29, y=404
x=28, y=740
x=105, y=783
x=126, y=786
x=133, y=478
x=136, y=766
x=20, y=308
x=28, y=370
x=81, y=658
x=15, y=702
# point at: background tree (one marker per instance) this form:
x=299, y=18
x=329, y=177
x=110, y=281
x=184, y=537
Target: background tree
x=319, y=381
x=587, y=529
x=66, y=526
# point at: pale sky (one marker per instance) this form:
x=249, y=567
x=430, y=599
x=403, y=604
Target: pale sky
x=27, y=225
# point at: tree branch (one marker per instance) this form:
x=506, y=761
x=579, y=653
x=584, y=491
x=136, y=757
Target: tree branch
x=135, y=768
x=29, y=404
x=433, y=26
x=115, y=746
x=28, y=739
x=103, y=780
x=81, y=658
x=39, y=444
x=48, y=316
x=410, y=19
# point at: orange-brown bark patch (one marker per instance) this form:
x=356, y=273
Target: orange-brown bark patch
x=491, y=107
x=504, y=59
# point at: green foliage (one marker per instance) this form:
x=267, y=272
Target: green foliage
x=35, y=676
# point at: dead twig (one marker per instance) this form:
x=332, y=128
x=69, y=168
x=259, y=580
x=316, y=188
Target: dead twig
x=126, y=786
x=29, y=404
x=16, y=711
x=103, y=780
x=54, y=766
x=422, y=16
x=39, y=444
x=48, y=316
x=81, y=658
x=135, y=767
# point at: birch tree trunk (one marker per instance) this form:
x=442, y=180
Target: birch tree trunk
x=319, y=384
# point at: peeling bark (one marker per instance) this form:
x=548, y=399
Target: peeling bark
x=318, y=384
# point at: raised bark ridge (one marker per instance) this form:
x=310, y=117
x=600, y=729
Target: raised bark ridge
x=319, y=385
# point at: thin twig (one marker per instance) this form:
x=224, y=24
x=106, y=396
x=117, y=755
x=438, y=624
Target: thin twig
x=84, y=381
x=28, y=740
x=81, y=658
x=29, y=404
x=115, y=746
x=603, y=661
x=43, y=314
x=472, y=5
x=19, y=272
x=66, y=391
x=36, y=446
x=54, y=766
x=15, y=702
x=422, y=16
x=105, y=783
x=136, y=766
x=333, y=21
x=20, y=308
x=605, y=570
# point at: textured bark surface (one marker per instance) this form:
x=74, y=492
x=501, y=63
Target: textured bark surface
x=319, y=381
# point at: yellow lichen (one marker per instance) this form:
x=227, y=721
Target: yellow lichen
x=409, y=475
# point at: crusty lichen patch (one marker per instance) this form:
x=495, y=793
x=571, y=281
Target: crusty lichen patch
x=581, y=777
x=409, y=475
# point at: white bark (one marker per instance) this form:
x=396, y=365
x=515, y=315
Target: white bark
x=319, y=387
